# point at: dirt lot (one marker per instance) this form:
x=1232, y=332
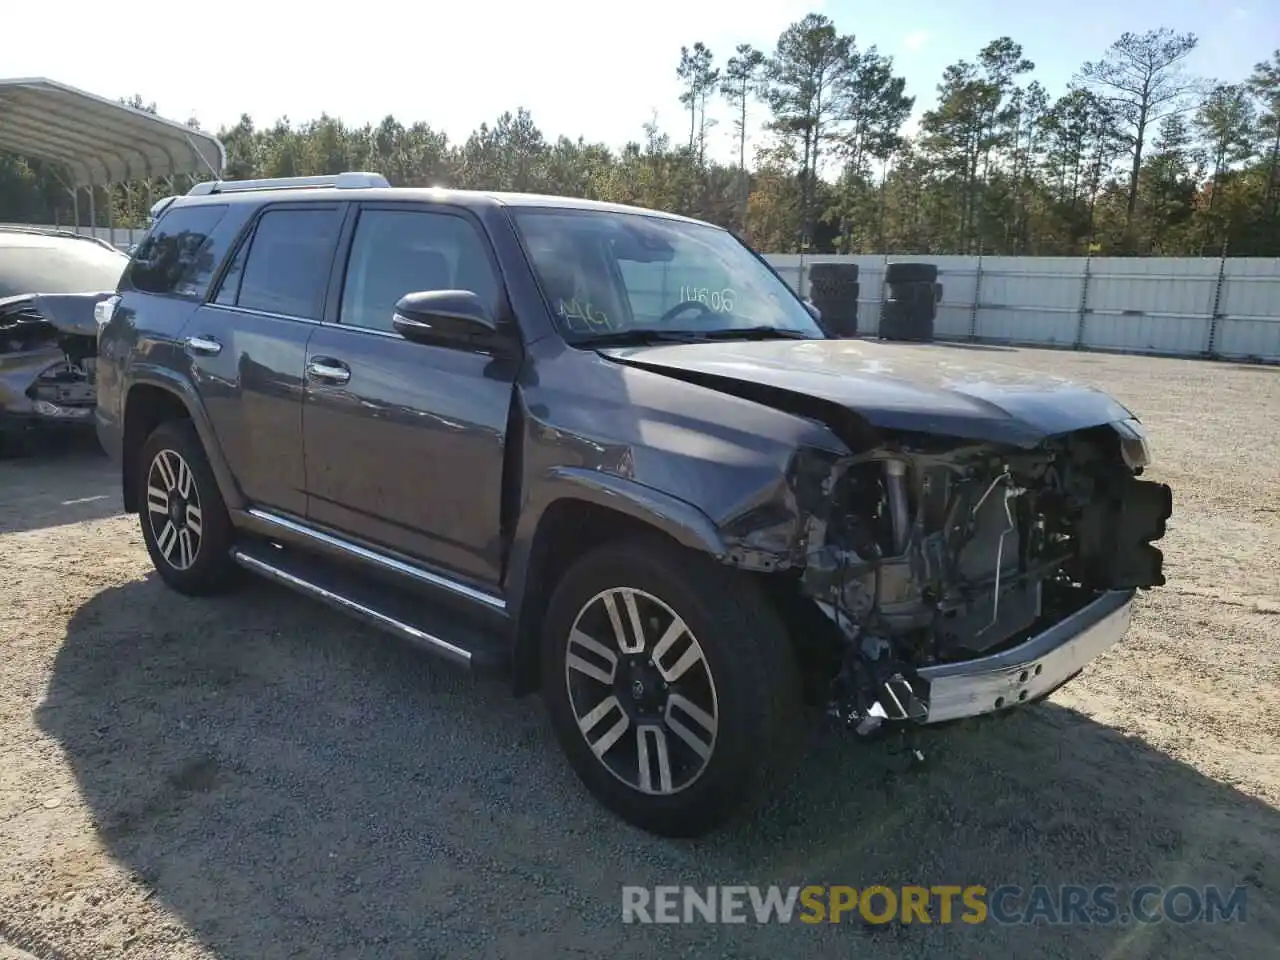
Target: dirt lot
x=254, y=777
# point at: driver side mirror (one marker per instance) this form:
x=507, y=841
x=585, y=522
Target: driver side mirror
x=813, y=310
x=449, y=318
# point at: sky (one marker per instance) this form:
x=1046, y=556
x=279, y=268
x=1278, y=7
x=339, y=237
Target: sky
x=580, y=67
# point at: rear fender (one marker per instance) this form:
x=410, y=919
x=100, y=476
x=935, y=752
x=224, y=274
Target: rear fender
x=166, y=380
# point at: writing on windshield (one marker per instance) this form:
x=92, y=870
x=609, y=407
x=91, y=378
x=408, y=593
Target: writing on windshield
x=720, y=301
x=582, y=315
x=605, y=272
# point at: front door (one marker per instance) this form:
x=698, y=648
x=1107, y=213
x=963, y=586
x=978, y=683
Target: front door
x=404, y=441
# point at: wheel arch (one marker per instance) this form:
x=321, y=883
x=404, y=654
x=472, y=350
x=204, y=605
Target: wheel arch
x=584, y=509
x=152, y=399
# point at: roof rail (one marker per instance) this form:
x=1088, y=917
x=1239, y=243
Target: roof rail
x=54, y=232
x=350, y=180
x=158, y=208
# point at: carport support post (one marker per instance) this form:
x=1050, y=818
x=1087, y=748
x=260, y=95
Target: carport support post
x=977, y=295
x=111, y=214
x=1215, y=315
x=93, y=212
x=1084, y=302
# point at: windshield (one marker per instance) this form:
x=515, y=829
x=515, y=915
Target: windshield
x=57, y=265
x=608, y=274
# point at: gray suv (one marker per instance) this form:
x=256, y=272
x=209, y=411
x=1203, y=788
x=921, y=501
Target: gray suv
x=608, y=451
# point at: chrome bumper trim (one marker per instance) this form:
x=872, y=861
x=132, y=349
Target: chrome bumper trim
x=1033, y=668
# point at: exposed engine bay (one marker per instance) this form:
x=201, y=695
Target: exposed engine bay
x=934, y=553
x=47, y=366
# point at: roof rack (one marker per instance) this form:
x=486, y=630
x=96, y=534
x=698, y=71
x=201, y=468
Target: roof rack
x=350, y=180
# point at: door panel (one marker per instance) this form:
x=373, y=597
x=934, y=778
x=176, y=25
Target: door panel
x=252, y=390
x=407, y=453
x=404, y=441
x=248, y=348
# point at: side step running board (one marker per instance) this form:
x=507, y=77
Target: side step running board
x=408, y=617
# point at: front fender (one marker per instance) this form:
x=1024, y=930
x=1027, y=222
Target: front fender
x=681, y=521
x=560, y=485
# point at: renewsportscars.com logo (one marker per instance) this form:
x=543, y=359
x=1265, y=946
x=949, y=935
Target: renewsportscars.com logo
x=940, y=904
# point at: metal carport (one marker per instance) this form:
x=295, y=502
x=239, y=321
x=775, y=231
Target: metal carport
x=97, y=142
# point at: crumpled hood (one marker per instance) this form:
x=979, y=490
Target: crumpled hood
x=71, y=312
x=66, y=312
x=923, y=388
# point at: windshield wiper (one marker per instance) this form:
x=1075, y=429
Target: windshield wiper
x=627, y=338
x=644, y=336
x=756, y=333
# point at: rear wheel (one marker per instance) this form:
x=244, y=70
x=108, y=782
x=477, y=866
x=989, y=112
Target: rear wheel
x=185, y=524
x=670, y=682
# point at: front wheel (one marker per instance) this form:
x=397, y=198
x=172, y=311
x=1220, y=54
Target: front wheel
x=670, y=683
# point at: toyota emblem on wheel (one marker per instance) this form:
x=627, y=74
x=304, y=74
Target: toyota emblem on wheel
x=641, y=690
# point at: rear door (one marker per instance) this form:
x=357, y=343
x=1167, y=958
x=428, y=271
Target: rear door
x=248, y=347
x=405, y=441
x=167, y=279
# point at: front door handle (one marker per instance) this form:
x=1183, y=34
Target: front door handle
x=328, y=370
x=204, y=346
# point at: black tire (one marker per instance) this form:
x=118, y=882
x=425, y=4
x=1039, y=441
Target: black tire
x=833, y=289
x=840, y=272
x=210, y=568
x=745, y=651
x=907, y=272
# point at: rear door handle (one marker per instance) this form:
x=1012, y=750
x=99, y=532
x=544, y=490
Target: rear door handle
x=204, y=346
x=328, y=370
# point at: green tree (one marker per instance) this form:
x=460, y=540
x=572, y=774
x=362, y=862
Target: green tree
x=700, y=76
x=998, y=166
x=809, y=68
x=1141, y=79
x=740, y=85
x=1264, y=83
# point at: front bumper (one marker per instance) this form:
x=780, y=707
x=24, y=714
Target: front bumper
x=1030, y=670
x=45, y=416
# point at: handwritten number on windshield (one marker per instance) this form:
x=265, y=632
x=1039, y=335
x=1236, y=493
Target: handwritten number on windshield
x=720, y=301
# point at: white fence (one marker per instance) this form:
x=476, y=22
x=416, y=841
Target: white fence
x=1195, y=307
x=1191, y=307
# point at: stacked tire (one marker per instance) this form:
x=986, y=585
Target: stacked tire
x=833, y=289
x=909, y=310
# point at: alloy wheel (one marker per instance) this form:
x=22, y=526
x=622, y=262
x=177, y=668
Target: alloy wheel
x=173, y=509
x=641, y=691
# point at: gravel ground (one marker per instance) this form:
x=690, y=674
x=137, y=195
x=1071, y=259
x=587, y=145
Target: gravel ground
x=255, y=777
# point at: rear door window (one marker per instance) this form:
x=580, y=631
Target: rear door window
x=287, y=267
x=179, y=255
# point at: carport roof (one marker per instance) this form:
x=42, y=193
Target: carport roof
x=97, y=140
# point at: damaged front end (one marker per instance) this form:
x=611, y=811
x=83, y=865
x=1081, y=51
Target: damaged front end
x=48, y=352
x=964, y=578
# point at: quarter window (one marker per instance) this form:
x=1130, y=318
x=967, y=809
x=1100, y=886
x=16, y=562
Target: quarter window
x=179, y=255
x=395, y=252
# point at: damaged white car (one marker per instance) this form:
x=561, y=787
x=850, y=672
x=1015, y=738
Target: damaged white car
x=50, y=281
